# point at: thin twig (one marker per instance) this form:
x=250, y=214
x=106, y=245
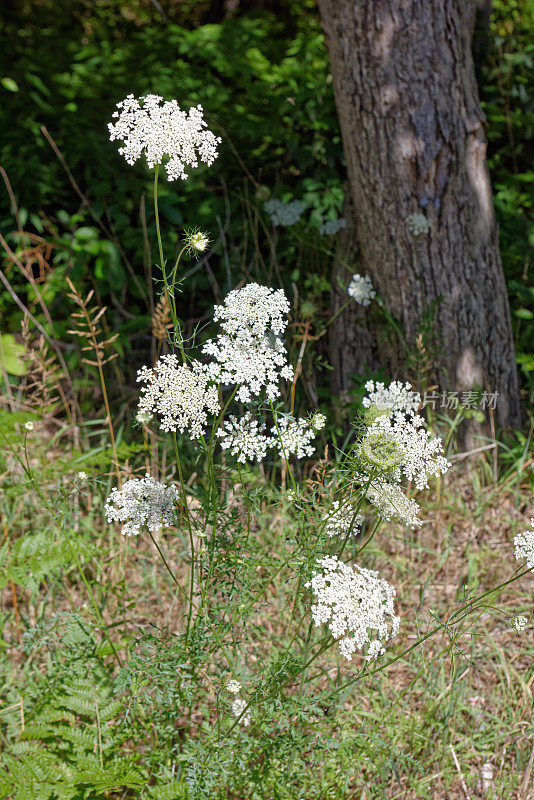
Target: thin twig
x=40, y=328
x=460, y=456
x=462, y=781
x=87, y=204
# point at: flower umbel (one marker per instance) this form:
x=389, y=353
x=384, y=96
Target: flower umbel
x=356, y=604
x=142, y=502
x=238, y=707
x=249, y=352
x=524, y=546
x=395, y=397
x=181, y=395
x=244, y=438
x=518, y=624
x=253, y=310
x=196, y=241
x=381, y=452
x=361, y=289
x=160, y=130
x=293, y=436
x=392, y=504
x=341, y=519
x=401, y=445
x=318, y=421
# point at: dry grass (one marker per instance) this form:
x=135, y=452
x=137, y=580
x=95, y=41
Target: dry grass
x=464, y=717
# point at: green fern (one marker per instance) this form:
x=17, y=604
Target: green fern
x=69, y=744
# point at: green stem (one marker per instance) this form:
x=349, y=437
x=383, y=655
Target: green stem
x=273, y=412
x=158, y=231
x=169, y=291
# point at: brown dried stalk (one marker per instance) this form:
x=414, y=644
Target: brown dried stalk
x=43, y=388
x=161, y=318
x=88, y=327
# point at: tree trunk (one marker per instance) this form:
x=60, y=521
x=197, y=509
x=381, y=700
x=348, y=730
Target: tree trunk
x=353, y=343
x=413, y=135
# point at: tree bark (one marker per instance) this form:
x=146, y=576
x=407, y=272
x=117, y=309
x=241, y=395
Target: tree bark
x=352, y=341
x=413, y=135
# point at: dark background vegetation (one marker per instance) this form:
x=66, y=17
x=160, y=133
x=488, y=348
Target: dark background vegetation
x=260, y=69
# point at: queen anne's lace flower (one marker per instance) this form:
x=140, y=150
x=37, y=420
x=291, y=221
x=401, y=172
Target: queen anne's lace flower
x=142, y=502
x=249, y=352
x=356, y=604
x=238, y=706
x=399, y=445
x=251, y=366
x=318, y=421
x=395, y=397
x=392, y=504
x=233, y=686
x=160, y=129
x=518, y=624
x=196, y=241
x=285, y=214
x=253, y=310
x=524, y=546
x=341, y=519
x=293, y=436
x=244, y=438
x=180, y=394
x=361, y=289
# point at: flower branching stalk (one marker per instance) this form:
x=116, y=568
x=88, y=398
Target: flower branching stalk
x=227, y=398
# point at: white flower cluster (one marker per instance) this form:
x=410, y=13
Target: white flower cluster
x=356, y=604
x=249, y=353
x=397, y=396
x=418, y=224
x=144, y=417
x=341, y=519
x=244, y=438
x=293, y=436
x=318, y=421
x=361, y=289
x=518, y=624
x=524, y=546
x=332, y=226
x=404, y=446
x=255, y=309
x=160, y=129
x=181, y=395
x=238, y=706
x=285, y=214
x=142, y=502
x=233, y=686
x=196, y=241
x=392, y=504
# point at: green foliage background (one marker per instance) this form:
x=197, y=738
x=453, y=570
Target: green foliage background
x=262, y=76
